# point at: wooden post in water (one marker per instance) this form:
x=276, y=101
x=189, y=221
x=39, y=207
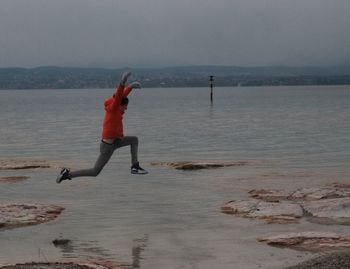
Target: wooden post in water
x=211, y=80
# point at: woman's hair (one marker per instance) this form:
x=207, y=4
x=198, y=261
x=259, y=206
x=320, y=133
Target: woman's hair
x=124, y=101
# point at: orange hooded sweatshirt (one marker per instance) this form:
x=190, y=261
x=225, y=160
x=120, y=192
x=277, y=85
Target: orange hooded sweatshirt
x=113, y=120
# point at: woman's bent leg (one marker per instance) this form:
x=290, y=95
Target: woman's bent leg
x=133, y=142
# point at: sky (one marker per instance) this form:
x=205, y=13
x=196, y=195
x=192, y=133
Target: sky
x=158, y=33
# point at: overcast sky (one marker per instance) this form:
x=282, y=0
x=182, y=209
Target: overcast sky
x=141, y=33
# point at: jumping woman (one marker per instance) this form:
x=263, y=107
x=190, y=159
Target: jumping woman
x=112, y=134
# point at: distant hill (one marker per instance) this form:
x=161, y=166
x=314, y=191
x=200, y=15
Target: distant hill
x=185, y=76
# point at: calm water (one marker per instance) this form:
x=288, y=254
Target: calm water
x=295, y=136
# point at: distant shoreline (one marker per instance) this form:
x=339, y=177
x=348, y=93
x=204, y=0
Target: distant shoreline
x=171, y=77
x=168, y=86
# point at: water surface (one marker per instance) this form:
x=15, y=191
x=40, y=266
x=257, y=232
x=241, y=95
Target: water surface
x=295, y=136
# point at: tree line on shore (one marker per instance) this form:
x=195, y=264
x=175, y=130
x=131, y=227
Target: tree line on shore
x=190, y=76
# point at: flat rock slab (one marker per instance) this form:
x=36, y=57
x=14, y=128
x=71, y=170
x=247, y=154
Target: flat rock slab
x=324, y=205
x=61, y=242
x=17, y=215
x=53, y=266
x=310, y=194
x=13, y=179
x=282, y=212
x=16, y=164
x=196, y=165
x=329, y=211
x=92, y=263
x=47, y=266
x=308, y=241
x=337, y=260
x=270, y=195
x=304, y=194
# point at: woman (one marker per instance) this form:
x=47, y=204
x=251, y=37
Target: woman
x=112, y=134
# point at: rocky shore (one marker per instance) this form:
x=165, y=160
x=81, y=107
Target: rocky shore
x=197, y=165
x=93, y=263
x=17, y=215
x=22, y=164
x=13, y=179
x=337, y=260
x=324, y=205
x=49, y=266
x=328, y=204
x=308, y=241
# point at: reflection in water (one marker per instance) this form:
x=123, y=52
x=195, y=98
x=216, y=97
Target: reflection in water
x=73, y=249
x=64, y=244
x=139, y=246
x=301, y=132
x=76, y=249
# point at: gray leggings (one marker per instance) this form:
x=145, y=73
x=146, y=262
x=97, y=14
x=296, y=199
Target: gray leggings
x=106, y=152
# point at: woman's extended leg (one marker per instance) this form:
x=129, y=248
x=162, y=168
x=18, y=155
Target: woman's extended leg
x=106, y=151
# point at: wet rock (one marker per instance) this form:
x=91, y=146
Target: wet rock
x=304, y=194
x=56, y=265
x=282, y=212
x=100, y=263
x=315, y=204
x=269, y=195
x=193, y=165
x=308, y=241
x=61, y=242
x=17, y=164
x=341, y=185
x=321, y=193
x=17, y=215
x=337, y=260
x=13, y=179
x=328, y=211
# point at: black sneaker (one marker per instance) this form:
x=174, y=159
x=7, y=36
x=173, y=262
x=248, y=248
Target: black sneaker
x=137, y=169
x=64, y=175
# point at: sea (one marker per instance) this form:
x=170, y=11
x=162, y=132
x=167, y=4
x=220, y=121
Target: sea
x=290, y=137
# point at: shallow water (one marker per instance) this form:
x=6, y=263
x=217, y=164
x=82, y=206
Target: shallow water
x=294, y=136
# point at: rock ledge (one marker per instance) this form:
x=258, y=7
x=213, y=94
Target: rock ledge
x=196, y=165
x=17, y=215
x=18, y=164
x=309, y=241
